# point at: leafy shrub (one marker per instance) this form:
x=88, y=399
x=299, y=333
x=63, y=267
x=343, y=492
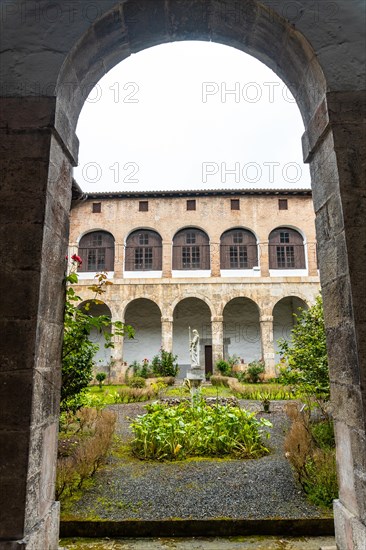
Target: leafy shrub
x=254, y=370
x=165, y=364
x=259, y=393
x=135, y=395
x=305, y=356
x=100, y=377
x=143, y=370
x=166, y=380
x=81, y=459
x=310, y=448
x=169, y=433
x=223, y=367
x=137, y=382
x=217, y=380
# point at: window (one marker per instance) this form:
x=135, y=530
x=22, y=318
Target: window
x=96, y=249
x=235, y=204
x=282, y=204
x=191, y=250
x=238, y=249
x=191, y=204
x=143, y=206
x=143, y=251
x=190, y=238
x=286, y=249
x=143, y=238
x=97, y=207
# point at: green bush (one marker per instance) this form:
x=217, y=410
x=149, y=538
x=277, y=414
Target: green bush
x=165, y=364
x=323, y=434
x=320, y=482
x=170, y=433
x=143, y=370
x=100, y=377
x=254, y=370
x=137, y=382
x=223, y=367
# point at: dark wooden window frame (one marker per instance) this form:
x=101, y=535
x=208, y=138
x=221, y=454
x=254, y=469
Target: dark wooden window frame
x=286, y=249
x=191, y=204
x=96, y=249
x=191, y=250
x=143, y=251
x=238, y=249
x=282, y=204
x=143, y=206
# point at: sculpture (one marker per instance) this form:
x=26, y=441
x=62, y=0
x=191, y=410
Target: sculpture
x=194, y=348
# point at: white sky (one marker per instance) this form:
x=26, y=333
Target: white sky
x=161, y=120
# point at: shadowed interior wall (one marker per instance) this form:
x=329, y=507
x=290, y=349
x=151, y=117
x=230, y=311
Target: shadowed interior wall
x=145, y=317
x=284, y=320
x=241, y=330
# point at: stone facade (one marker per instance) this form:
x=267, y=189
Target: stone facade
x=51, y=56
x=234, y=308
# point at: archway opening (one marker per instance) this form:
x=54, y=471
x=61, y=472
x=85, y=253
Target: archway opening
x=102, y=357
x=192, y=313
x=284, y=320
x=145, y=317
x=242, y=330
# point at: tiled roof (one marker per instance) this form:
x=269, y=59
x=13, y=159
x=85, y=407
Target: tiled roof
x=193, y=193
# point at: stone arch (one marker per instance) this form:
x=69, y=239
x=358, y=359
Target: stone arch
x=284, y=320
x=242, y=335
x=103, y=355
x=144, y=315
x=195, y=313
x=251, y=28
x=331, y=113
x=192, y=294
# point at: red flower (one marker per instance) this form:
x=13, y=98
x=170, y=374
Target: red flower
x=77, y=259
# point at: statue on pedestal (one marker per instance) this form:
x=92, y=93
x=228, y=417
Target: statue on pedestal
x=194, y=348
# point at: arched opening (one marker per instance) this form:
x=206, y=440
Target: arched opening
x=277, y=39
x=193, y=313
x=238, y=250
x=242, y=336
x=145, y=317
x=286, y=249
x=96, y=249
x=102, y=357
x=191, y=250
x=284, y=320
x=143, y=251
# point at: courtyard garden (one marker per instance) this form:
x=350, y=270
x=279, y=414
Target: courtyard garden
x=155, y=448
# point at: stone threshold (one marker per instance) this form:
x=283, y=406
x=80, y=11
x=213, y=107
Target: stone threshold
x=198, y=528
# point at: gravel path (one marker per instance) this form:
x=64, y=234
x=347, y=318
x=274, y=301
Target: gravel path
x=197, y=489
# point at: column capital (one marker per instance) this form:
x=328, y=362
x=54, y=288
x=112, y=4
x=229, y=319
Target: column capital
x=167, y=319
x=217, y=319
x=266, y=319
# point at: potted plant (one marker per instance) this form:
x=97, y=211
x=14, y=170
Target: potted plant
x=266, y=402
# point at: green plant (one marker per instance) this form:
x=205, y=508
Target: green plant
x=197, y=429
x=165, y=364
x=137, y=382
x=305, y=356
x=217, y=380
x=223, y=367
x=254, y=370
x=78, y=351
x=100, y=377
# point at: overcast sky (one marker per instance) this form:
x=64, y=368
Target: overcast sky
x=190, y=115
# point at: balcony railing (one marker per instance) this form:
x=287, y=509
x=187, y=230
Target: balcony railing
x=238, y=256
x=143, y=258
x=96, y=259
x=286, y=256
x=191, y=257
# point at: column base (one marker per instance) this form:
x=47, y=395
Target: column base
x=45, y=535
x=349, y=530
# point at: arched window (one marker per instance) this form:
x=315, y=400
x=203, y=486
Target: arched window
x=191, y=249
x=286, y=249
x=96, y=249
x=238, y=249
x=143, y=251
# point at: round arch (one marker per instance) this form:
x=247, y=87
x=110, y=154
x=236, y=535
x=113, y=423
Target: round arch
x=242, y=336
x=195, y=313
x=144, y=316
x=96, y=249
x=284, y=320
x=103, y=355
x=250, y=27
x=238, y=249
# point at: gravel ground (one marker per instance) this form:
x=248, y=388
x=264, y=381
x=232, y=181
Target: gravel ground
x=197, y=489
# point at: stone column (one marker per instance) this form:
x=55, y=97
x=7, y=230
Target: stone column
x=167, y=333
x=217, y=329
x=119, y=259
x=335, y=144
x=264, y=258
x=167, y=258
x=35, y=202
x=215, y=259
x=268, y=354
